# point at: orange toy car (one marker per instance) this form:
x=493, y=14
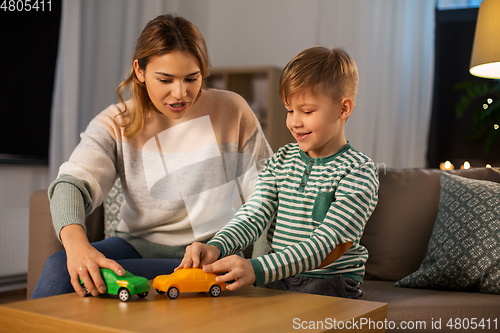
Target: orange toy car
x=188, y=280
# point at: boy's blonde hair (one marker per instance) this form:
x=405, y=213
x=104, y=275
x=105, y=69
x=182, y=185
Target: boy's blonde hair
x=330, y=72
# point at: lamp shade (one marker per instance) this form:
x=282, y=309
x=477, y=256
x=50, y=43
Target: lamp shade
x=485, y=60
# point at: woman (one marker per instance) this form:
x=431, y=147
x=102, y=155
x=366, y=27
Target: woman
x=182, y=154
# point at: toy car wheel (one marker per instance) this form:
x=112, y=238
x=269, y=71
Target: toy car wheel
x=87, y=292
x=123, y=294
x=160, y=291
x=142, y=295
x=173, y=292
x=215, y=290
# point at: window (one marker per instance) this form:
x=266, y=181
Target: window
x=449, y=136
x=457, y=4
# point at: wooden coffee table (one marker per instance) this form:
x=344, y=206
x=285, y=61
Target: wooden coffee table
x=248, y=309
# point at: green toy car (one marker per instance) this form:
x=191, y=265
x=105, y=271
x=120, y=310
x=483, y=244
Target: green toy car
x=123, y=286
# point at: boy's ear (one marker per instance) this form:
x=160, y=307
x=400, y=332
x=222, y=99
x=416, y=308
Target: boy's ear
x=347, y=107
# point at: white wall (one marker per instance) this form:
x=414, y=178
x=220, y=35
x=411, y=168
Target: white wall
x=260, y=32
x=17, y=183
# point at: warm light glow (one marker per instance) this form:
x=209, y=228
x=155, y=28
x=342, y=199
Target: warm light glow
x=485, y=106
x=485, y=60
x=489, y=100
x=465, y=166
x=488, y=165
x=496, y=126
x=446, y=166
x=489, y=71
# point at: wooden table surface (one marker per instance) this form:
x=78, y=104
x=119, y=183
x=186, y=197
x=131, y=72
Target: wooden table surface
x=248, y=309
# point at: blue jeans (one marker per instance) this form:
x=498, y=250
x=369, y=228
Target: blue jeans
x=55, y=279
x=336, y=285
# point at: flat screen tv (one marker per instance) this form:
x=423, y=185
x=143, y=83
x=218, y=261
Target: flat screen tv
x=29, y=37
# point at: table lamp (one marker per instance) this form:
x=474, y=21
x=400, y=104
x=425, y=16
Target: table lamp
x=485, y=60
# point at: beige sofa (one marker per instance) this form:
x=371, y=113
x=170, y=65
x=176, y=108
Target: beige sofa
x=397, y=236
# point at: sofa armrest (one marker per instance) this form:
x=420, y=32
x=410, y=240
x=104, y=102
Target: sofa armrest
x=43, y=241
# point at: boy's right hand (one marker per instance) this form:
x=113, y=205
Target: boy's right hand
x=198, y=254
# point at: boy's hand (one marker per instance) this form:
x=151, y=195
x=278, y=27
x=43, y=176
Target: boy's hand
x=237, y=268
x=198, y=254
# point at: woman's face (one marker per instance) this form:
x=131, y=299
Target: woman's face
x=173, y=82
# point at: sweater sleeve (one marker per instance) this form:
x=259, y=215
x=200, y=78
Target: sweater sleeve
x=88, y=175
x=250, y=162
x=355, y=200
x=259, y=148
x=254, y=150
x=94, y=159
x=70, y=201
x=252, y=218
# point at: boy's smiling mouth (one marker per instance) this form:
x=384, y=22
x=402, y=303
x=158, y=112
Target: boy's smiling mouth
x=302, y=135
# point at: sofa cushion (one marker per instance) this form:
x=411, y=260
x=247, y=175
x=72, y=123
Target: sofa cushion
x=415, y=306
x=398, y=232
x=112, y=204
x=464, y=249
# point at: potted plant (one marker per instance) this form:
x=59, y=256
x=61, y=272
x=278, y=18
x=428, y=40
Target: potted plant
x=482, y=98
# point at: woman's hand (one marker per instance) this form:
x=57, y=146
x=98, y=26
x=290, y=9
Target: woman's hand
x=84, y=261
x=237, y=268
x=198, y=254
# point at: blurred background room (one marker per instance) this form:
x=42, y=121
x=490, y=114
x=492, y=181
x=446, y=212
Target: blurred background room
x=62, y=65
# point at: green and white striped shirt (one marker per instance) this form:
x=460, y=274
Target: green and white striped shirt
x=312, y=205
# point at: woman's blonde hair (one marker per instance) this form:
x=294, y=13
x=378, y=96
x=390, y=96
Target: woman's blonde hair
x=162, y=35
x=330, y=72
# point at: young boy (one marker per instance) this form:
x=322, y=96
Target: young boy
x=316, y=194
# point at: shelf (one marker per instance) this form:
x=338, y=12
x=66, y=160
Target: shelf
x=259, y=87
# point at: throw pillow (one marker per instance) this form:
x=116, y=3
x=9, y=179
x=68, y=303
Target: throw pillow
x=464, y=249
x=112, y=205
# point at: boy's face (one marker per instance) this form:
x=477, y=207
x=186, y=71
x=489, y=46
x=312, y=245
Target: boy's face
x=317, y=122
